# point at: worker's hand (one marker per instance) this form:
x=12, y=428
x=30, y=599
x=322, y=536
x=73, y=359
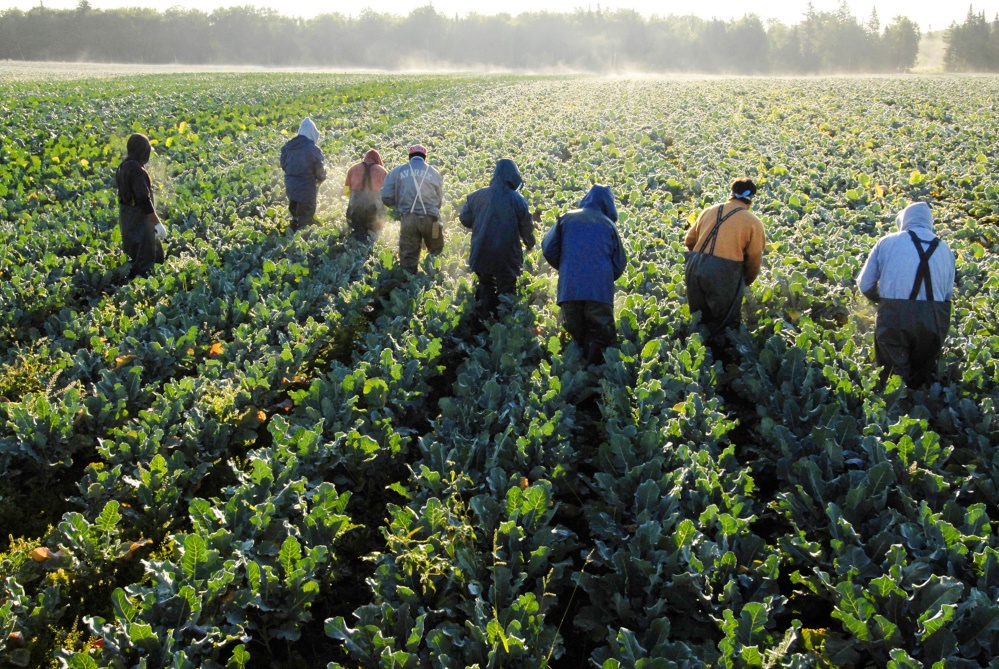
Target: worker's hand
x=161, y=232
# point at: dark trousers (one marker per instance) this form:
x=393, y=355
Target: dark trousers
x=415, y=230
x=909, y=337
x=714, y=288
x=303, y=214
x=138, y=240
x=365, y=216
x=489, y=289
x=364, y=228
x=591, y=326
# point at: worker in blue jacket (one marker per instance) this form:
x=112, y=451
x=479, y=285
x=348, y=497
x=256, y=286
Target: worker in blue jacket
x=585, y=248
x=910, y=275
x=501, y=226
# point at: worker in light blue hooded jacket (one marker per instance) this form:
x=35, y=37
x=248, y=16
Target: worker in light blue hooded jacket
x=910, y=275
x=585, y=248
x=303, y=163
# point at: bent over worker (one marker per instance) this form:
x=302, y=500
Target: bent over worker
x=725, y=255
x=416, y=190
x=910, y=275
x=501, y=226
x=585, y=248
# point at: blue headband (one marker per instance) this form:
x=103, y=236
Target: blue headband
x=745, y=193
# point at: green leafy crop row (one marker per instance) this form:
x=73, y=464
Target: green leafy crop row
x=281, y=450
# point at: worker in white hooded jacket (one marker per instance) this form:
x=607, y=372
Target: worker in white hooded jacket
x=303, y=164
x=910, y=275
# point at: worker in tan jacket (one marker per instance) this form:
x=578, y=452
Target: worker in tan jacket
x=725, y=252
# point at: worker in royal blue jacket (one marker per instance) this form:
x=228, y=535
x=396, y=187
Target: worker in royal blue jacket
x=585, y=248
x=910, y=275
x=501, y=226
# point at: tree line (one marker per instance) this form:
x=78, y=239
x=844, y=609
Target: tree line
x=587, y=40
x=973, y=46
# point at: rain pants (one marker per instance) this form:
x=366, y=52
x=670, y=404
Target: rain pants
x=715, y=285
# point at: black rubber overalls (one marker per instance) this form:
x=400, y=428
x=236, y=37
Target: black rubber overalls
x=715, y=285
x=909, y=334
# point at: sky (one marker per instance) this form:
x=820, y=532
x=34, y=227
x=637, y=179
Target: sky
x=928, y=14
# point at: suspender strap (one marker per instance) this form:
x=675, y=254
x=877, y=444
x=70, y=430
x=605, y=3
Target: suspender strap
x=923, y=272
x=713, y=235
x=419, y=189
x=366, y=179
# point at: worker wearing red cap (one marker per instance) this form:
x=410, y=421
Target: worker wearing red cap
x=416, y=191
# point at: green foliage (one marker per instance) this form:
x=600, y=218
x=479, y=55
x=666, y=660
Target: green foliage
x=278, y=434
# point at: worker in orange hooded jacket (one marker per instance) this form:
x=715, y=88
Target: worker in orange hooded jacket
x=363, y=185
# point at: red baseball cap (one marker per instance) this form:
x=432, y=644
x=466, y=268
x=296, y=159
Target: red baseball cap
x=418, y=149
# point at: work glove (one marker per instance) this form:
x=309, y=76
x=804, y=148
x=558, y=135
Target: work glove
x=161, y=232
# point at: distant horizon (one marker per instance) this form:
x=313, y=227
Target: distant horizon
x=930, y=17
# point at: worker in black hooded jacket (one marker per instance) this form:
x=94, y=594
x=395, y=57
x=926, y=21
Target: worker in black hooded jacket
x=141, y=229
x=500, y=221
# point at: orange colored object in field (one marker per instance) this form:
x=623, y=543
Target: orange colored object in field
x=41, y=554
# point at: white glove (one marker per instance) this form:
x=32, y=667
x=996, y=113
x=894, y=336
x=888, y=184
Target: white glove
x=161, y=232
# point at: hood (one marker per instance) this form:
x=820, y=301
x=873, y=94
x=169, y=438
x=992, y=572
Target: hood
x=309, y=129
x=602, y=199
x=916, y=215
x=372, y=157
x=506, y=173
x=139, y=148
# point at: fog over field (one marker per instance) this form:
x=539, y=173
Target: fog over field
x=597, y=39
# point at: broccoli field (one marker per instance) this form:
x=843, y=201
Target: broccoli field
x=281, y=450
